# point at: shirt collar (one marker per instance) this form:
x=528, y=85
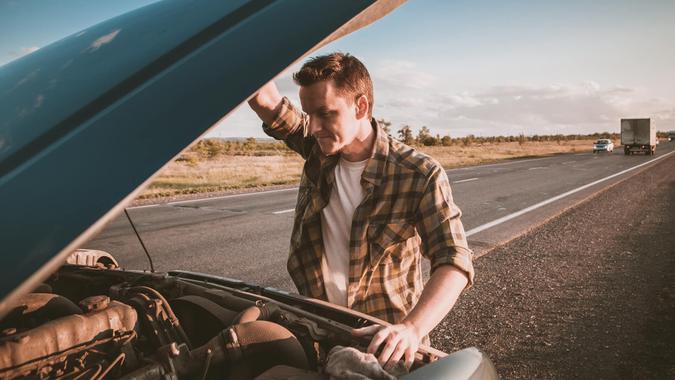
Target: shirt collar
x=374, y=170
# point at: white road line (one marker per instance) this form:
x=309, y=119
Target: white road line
x=214, y=198
x=557, y=197
x=537, y=167
x=502, y=163
x=283, y=211
x=466, y=180
x=145, y=206
x=295, y=188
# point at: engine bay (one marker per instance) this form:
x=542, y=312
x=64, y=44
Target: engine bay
x=95, y=323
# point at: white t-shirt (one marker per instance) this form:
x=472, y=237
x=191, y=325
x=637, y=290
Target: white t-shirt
x=336, y=226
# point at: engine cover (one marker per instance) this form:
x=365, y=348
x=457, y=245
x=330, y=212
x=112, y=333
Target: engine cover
x=109, y=319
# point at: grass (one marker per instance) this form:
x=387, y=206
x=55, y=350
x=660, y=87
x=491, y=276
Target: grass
x=458, y=156
x=224, y=173
x=206, y=169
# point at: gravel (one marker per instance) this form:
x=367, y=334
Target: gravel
x=590, y=294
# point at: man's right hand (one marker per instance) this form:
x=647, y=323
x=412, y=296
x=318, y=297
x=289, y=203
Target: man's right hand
x=266, y=102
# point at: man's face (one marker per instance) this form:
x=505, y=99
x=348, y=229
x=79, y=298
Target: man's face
x=332, y=116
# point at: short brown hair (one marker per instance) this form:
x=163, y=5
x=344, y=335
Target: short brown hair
x=349, y=75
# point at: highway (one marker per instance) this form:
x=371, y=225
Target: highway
x=245, y=236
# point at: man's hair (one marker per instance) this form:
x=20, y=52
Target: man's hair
x=349, y=75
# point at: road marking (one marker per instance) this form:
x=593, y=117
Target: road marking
x=502, y=163
x=213, y=198
x=537, y=167
x=506, y=218
x=296, y=188
x=283, y=211
x=466, y=180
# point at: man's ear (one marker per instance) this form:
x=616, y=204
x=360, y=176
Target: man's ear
x=362, y=107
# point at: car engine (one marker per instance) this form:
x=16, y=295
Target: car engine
x=95, y=323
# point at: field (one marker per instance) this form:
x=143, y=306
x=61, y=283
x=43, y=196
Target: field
x=221, y=166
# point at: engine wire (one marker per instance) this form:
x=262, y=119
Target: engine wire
x=118, y=360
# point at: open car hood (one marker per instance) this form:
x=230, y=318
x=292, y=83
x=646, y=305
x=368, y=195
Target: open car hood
x=87, y=121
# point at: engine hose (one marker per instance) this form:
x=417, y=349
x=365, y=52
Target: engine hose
x=266, y=312
x=262, y=339
x=227, y=300
x=259, y=344
x=263, y=343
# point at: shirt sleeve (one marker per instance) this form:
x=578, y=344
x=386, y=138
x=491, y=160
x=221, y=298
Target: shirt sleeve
x=440, y=228
x=291, y=126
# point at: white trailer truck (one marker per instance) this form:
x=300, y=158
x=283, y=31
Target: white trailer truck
x=638, y=135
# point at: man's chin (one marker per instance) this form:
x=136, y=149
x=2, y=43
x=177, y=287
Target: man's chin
x=329, y=149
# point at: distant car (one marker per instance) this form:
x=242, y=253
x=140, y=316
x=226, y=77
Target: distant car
x=603, y=145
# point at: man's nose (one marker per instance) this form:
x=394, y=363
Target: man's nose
x=314, y=126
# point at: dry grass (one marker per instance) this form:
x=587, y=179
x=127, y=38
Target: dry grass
x=230, y=172
x=225, y=173
x=457, y=156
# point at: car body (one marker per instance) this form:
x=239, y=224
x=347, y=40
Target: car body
x=603, y=145
x=85, y=123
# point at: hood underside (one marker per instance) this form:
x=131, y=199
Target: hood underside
x=86, y=122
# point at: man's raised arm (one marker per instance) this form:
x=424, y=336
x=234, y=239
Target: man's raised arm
x=267, y=102
x=281, y=120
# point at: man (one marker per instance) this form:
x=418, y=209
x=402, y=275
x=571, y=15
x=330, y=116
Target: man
x=368, y=208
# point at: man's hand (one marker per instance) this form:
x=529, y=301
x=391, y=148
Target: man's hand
x=266, y=102
x=438, y=297
x=397, y=341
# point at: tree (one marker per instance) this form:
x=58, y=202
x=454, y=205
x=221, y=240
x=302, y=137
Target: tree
x=446, y=140
x=250, y=143
x=405, y=135
x=386, y=125
x=521, y=139
x=423, y=135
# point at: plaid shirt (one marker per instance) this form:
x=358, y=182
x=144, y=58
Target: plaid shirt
x=407, y=212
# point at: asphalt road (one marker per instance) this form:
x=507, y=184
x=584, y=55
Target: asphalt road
x=588, y=295
x=246, y=236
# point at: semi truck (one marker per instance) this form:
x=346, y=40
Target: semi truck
x=638, y=135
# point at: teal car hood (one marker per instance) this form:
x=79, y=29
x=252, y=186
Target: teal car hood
x=87, y=121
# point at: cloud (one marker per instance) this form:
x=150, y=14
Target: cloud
x=401, y=74
x=502, y=110
x=406, y=95
x=664, y=119
x=103, y=40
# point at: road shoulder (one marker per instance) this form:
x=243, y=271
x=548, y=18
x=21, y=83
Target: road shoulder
x=588, y=294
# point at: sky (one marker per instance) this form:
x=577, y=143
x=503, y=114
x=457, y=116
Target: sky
x=460, y=67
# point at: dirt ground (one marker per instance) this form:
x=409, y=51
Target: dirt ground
x=589, y=295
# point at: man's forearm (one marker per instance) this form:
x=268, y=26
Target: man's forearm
x=438, y=297
x=266, y=102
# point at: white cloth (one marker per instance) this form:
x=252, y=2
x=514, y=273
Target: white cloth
x=336, y=226
x=348, y=363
